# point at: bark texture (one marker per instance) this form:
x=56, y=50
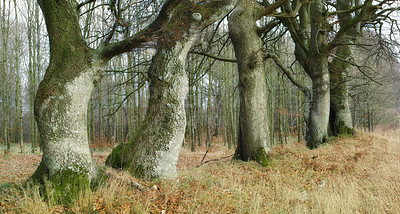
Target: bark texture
x=155, y=149
x=253, y=119
x=61, y=105
x=317, y=126
x=340, y=116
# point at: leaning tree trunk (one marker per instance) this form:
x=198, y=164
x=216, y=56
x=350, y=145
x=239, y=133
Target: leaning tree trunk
x=61, y=106
x=155, y=149
x=253, y=120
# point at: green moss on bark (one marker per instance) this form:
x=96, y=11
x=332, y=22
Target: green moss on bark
x=262, y=157
x=66, y=185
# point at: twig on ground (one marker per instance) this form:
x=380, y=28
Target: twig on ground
x=213, y=160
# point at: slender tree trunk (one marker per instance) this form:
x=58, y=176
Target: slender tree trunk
x=253, y=119
x=5, y=22
x=209, y=112
x=18, y=94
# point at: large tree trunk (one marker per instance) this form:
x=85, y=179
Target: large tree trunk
x=61, y=105
x=317, y=125
x=318, y=119
x=155, y=149
x=340, y=116
x=253, y=119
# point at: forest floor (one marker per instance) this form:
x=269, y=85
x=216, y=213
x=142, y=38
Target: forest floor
x=347, y=175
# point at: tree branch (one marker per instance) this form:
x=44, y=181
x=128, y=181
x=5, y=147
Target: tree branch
x=287, y=72
x=345, y=11
x=291, y=13
x=214, y=56
x=84, y=3
x=366, y=12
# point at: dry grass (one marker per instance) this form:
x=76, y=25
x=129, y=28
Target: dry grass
x=351, y=175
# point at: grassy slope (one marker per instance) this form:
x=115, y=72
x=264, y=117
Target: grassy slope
x=353, y=175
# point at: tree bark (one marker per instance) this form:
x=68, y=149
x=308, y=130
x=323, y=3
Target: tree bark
x=61, y=105
x=317, y=126
x=154, y=151
x=340, y=116
x=253, y=120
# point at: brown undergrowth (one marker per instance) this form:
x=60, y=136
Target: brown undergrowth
x=347, y=175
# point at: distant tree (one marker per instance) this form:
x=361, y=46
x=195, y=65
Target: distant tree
x=315, y=40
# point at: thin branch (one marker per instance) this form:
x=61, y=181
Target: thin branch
x=213, y=160
x=366, y=12
x=84, y=3
x=359, y=67
x=214, y=56
x=345, y=11
x=287, y=72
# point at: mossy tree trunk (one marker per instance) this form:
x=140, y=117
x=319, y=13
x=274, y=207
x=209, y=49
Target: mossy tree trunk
x=253, y=120
x=312, y=50
x=61, y=104
x=155, y=149
x=62, y=99
x=340, y=115
x=317, y=126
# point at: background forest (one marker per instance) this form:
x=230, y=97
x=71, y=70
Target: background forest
x=263, y=79
x=119, y=103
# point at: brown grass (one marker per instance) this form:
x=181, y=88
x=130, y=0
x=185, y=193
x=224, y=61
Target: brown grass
x=349, y=175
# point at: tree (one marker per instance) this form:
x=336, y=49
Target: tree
x=253, y=120
x=61, y=102
x=155, y=149
x=312, y=49
x=340, y=116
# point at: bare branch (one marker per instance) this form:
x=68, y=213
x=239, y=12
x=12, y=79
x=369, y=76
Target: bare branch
x=291, y=13
x=345, y=11
x=214, y=56
x=287, y=72
x=84, y=3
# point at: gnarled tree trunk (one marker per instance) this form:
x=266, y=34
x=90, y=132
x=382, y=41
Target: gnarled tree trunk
x=253, y=119
x=61, y=105
x=318, y=118
x=155, y=149
x=340, y=116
